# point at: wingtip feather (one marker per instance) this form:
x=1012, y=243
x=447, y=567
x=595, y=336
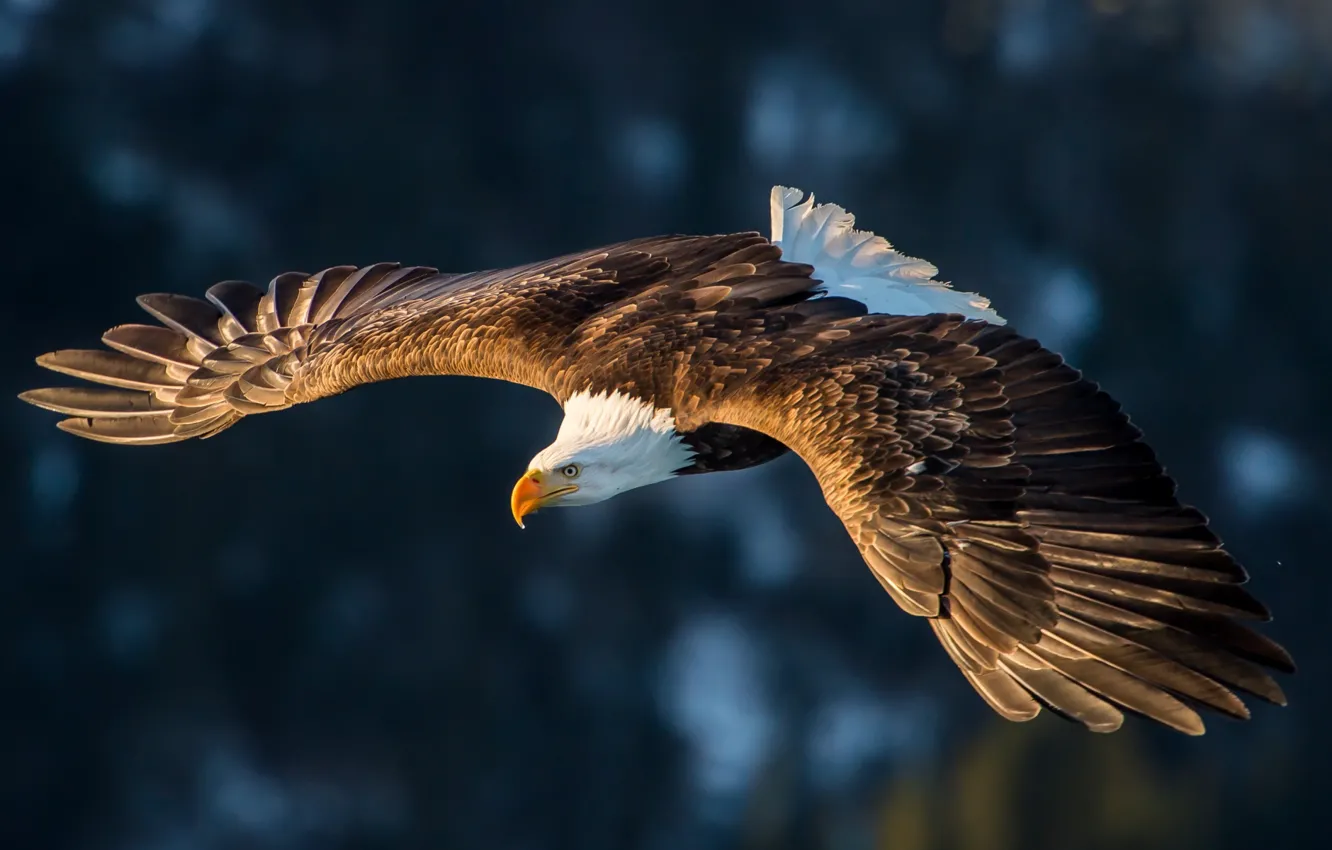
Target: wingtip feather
x=152, y=431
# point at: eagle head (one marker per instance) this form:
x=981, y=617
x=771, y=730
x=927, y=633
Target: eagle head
x=608, y=443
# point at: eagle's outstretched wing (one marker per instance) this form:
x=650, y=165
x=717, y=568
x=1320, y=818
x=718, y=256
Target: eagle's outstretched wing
x=995, y=491
x=244, y=350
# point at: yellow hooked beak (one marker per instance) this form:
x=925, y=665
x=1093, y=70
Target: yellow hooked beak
x=531, y=493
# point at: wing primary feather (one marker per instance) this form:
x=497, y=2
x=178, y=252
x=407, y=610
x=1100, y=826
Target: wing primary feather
x=239, y=303
x=96, y=402
x=108, y=367
x=330, y=287
x=135, y=431
x=190, y=316
x=156, y=344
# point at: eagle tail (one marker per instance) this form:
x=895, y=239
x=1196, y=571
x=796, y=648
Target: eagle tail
x=1152, y=612
x=859, y=265
x=212, y=360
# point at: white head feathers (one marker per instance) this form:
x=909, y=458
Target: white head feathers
x=619, y=443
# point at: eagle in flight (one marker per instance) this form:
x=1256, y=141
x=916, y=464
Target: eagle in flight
x=993, y=491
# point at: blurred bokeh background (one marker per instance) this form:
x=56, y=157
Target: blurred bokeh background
x=322, y=630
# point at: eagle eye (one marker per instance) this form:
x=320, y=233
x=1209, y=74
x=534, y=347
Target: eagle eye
x=571, y=471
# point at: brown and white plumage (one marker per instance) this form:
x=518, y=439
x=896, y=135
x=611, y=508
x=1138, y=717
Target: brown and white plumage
x=991, y=489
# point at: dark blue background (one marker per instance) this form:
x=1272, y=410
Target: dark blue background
x=322, y=629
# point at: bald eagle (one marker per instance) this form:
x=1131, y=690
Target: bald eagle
x=991, y=489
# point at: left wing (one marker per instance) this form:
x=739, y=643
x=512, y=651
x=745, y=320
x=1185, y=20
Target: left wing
x=243, y=350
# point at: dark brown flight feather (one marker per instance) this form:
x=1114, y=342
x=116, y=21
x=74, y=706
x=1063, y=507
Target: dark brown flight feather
x=990, y=488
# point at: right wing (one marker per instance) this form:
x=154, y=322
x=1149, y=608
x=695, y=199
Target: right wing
x=244, y=350
x=998, y=494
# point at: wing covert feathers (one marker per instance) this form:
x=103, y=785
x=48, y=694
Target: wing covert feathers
x=996, y=492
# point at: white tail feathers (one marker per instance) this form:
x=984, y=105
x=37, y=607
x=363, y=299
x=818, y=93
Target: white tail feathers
x=860, y=265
